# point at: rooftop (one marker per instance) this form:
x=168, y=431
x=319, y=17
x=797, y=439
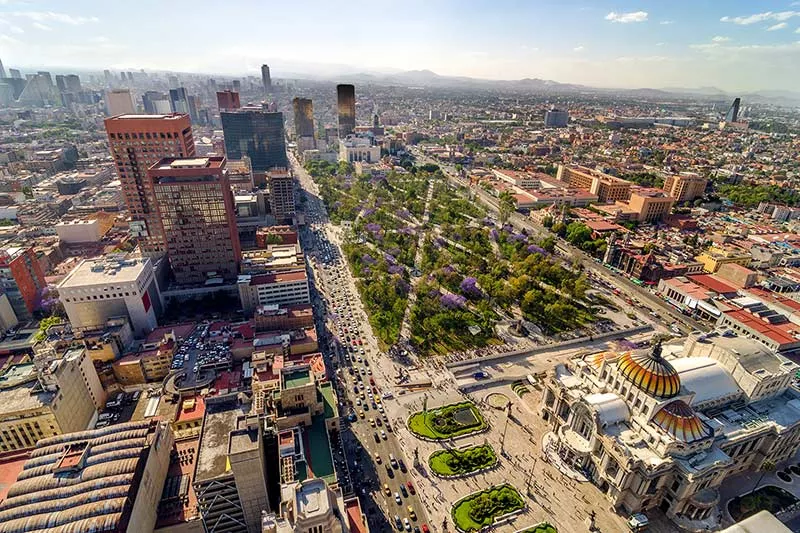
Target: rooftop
x=44, y=498
x=101, y=271
x=296, y=378
x=212, y=454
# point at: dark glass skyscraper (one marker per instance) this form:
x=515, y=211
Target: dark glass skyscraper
x=266, y=80
x=257, y=134
x=346, y=106
x=303, y=117
x=733, y=113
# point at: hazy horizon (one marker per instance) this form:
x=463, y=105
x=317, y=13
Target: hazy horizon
x=732, y=46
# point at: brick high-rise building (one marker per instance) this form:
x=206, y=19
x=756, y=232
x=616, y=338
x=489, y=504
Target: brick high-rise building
x=21, y=279
x=346, y=106
x=685, y=187
x=195, y=203
x=228, y=100
x=281, y=193
x=137, y=142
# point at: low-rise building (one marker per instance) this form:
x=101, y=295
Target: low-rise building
x=283, y=288
x=358, y=148
x=276, y=317
x=113, y=286
x=685, y=187
x=108, y=479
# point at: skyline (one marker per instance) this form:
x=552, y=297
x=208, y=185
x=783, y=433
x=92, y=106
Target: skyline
x=736, y=47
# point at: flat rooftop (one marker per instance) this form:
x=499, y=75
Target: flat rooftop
x=24, y=397
x=106, y=270
x=171, y=116
x=212, y=454
x=296, y=378
x=318, y=450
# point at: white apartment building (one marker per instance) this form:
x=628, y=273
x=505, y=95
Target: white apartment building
x=282, y=288
x=112, y=286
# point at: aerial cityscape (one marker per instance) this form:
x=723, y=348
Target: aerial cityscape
x=263, y=291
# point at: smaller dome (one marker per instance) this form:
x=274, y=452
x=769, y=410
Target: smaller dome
x=596, y=359
x=680, y=421
x=650, y=372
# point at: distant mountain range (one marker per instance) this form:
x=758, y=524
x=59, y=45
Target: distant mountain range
x=427, y=78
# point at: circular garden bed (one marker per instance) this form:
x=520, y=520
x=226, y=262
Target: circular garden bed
x=543, y=527
x=447, y=421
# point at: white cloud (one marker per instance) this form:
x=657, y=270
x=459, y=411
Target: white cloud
x=666, y=22
x=779, y=16
x=11, y=27
x=578, y=49
x=720, y=39
x=660, y=44
x=625, y=18
x=797, y=30
x=51, y=16
x=778, y=26
x=40, y=26
x=8, y=40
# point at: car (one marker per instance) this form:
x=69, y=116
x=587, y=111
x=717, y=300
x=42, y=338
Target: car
x=397, y=498
x=389, y=427
x=366, y=407
x=404, y=491
x=397, y=523
x=361, y=414
x=407, y=524
x=372, y=422
x=386, y=489
x=410, y=487
x=412, y=514
x=389, y=471
x=378, y=422
x=392, y=460
x=383, y=435
x=402, y=466
x=376, y=437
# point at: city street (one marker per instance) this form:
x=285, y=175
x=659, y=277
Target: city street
x=377, y=464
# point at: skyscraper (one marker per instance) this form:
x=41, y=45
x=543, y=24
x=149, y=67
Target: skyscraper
x=137, y=142
x=733, y=113
x=281, y=193
x=346, y=106
x=15, y=73
x=265, y=78
x=119, y=102
x=195, y=204
x=255, y=133
x=303, y=117
x=2, y=70
x=556, y=118
x=156, y=103
x=228, y=100
x=179, y=100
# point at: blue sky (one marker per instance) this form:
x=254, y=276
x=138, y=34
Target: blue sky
x=734, y=45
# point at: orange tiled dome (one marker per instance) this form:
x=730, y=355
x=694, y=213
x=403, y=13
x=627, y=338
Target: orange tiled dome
x=680, y=421
x=650, y=372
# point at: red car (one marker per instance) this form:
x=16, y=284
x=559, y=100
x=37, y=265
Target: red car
x=425, y=528
x=411, y=488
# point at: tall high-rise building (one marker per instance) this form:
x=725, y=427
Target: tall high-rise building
x=2, y=70
x=179, y=100
x=21, y=279
x=237, y=86
x=685, y=187
x=73, y=83
x=556, y=118
x=156, y=103
x=15, y=73
x=257, y=134
x=346, y=106
x=733, y=113
x=108, y=77
x=281, y=193
x=193, y=113
x=303, y=117
x=266, y=80
x=119, y=102
x=137, y=142
x=228, y=100
x=195, y=202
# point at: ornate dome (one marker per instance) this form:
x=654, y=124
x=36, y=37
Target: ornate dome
x=679, y=420
x=650, y=372
x=598, y=358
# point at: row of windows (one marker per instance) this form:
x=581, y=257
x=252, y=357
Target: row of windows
x=146, y=135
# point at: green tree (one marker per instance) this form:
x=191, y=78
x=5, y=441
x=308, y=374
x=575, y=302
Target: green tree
x=507, y=205
x=766, y=466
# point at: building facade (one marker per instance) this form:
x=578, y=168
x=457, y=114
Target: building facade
x=257, y=134
x=21, y=279
x=651, y=429
x=281, y=193
x=685, y=187
x=346, y=109
x=195, y=204
x=119, y=102
x=100, y=289
x=137, y=142
x=228, y=100
x=556, y=118
x=285, y=288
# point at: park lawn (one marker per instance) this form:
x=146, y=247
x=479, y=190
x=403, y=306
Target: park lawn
x=544, y=527
x=462, y=512
x=440, y=461
x=423, y=424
